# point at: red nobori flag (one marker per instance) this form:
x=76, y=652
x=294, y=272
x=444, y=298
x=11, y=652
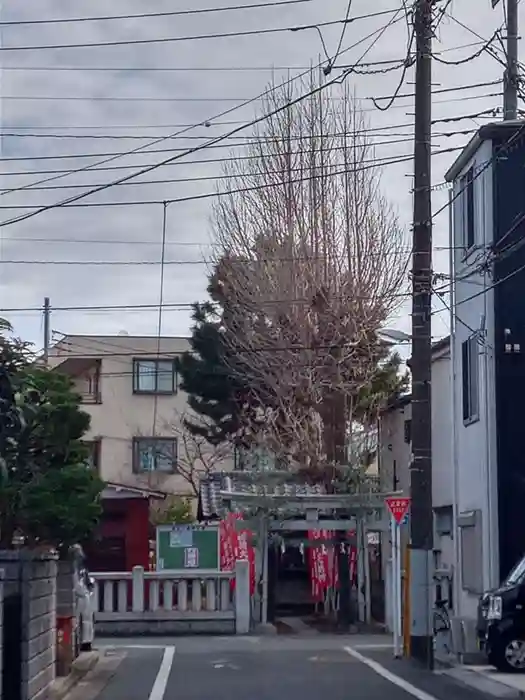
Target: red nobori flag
x=319, y=565
x=235, y=545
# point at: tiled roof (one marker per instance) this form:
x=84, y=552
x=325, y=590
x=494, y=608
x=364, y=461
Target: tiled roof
x=211, y=503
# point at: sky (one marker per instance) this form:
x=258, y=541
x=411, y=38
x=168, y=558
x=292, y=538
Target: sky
x=54, y=101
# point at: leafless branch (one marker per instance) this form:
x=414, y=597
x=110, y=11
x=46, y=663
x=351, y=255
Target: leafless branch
x=310, y=265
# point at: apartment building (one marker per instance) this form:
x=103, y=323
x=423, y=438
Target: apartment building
x=139, y=446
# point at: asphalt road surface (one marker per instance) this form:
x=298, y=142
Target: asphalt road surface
x=259, y=668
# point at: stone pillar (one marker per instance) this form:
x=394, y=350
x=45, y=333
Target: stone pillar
x=242, y=597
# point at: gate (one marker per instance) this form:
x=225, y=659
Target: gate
x=12, y=648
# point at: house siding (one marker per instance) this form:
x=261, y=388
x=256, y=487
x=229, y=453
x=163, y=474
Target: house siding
x=509, y=304
x=474, y=454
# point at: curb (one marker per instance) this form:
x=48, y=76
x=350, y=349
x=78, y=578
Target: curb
x=482, y=683
x=79, y=668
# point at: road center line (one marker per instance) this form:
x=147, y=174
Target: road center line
x=161, y=681
x=389, y=676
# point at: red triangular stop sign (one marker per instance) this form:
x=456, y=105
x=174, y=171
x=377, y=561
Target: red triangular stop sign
x=398, y=507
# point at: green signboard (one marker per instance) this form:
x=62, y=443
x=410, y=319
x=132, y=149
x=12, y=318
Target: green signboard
x=187, y=547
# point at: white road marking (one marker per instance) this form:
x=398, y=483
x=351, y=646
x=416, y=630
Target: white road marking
x=131, y=646
x=373, y=646
x=161, y=681
x=389, y=676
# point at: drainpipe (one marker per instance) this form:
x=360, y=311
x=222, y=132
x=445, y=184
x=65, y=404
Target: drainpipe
x=455, y=465
x=493, y=575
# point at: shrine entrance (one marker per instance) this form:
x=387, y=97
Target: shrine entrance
x=302, y=540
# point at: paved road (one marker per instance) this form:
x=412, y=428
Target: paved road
x=264, y=668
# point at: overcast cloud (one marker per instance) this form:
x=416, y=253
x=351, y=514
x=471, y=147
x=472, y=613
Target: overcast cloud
x=198, y=95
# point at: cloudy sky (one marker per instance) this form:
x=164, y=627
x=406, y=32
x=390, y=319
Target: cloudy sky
x=55, y=101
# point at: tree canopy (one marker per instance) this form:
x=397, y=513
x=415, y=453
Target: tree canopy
x=215, y=392
x=48, y=495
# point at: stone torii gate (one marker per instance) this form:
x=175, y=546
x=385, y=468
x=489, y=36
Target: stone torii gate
x=270, y=512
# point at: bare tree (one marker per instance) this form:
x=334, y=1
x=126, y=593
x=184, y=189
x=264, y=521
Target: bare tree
x=310, y=265
x=196, y=458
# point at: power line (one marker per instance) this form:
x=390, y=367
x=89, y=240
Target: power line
x=72, y=201
x=142, y=98
x=224, y=176
x=195, y=37
x=374, y=130
x=146, y=15
x=166, y=305
x=242, y=69
x=127, y=242
x=377, y=34
x=255, y=140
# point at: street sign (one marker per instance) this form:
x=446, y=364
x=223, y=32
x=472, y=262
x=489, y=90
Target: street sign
x=398, y=507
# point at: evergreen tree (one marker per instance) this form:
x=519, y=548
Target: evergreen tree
x=214, y=393
x=48, y=495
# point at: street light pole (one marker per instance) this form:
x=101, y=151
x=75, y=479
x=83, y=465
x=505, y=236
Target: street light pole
x=421, y=522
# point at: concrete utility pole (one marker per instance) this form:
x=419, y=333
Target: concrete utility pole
x=421, y=523
x=511, y=81
x=47, y=330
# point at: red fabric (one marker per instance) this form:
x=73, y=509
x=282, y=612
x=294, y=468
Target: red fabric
x=236, y=545
x=324, y=564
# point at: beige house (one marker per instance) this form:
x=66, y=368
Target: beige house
x=130, y=389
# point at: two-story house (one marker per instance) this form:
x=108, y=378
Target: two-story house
x=488, y=303
x=139, y=445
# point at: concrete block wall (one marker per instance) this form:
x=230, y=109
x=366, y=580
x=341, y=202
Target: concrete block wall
x=39, y=602
x=34, y=577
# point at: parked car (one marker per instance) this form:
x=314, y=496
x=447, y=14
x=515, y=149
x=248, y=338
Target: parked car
x=501, y=622
x=85, y=608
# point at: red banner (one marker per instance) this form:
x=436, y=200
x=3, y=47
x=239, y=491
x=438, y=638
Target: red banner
x=235, y=545
x=323, y=563
x=319, y=565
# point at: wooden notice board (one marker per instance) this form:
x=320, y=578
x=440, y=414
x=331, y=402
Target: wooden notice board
x=187, y=548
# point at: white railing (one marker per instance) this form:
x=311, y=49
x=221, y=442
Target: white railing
x=156, y=592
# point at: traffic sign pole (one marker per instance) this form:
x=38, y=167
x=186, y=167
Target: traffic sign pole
x=399, y=510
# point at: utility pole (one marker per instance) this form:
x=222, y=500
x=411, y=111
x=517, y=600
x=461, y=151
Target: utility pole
x=511, y=80
x=421, y=523
x=47, y=330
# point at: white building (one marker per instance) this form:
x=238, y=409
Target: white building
x=395, y=428
x=488, y=301
x=130, y=388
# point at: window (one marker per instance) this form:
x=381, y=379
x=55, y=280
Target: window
x=408, y=431
x=470, y=379
x=467, y=208
x=155, y=455
x=154, y=377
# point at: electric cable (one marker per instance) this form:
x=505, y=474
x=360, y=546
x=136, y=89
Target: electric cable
x=216, y=116
x=196, y=37
x=378, y=34
x=148, y=15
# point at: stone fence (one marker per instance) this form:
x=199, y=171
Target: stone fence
x=164, y=603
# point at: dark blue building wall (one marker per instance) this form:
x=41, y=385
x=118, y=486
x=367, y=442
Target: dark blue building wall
x=509, y=308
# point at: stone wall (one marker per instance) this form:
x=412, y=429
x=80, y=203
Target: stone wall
x=39, y=578
x=34, y=577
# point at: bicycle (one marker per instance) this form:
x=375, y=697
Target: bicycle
x=442, y=625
